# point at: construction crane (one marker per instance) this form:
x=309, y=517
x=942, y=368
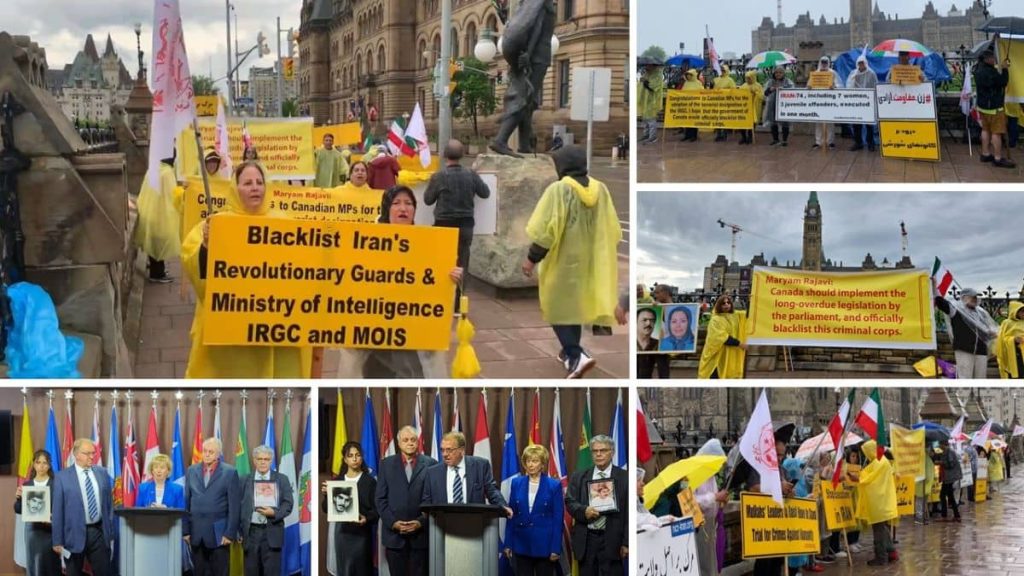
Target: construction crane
x=904, y=243
x=779, y=22
x=736, y=229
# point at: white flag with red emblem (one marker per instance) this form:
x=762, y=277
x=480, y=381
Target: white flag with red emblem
x=758, y=448
x=152, y=446
x=222, y=141
x=174, y=108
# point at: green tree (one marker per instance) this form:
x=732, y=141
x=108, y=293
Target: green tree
x=290, y=108
x=474, y=95
x=655, y=52
x=203, y=86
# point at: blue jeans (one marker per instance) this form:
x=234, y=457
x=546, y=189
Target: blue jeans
x=862, y=131
x=569, y=337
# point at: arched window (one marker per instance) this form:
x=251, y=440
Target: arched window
x=492, y=24
x=359, y=64
x=455, y=43
x=381, y=59
x=369, y=61
x=424, y=59
x=437, y=46
x=471, y=38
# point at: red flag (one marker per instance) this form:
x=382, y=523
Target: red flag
x=130, y=468
x=152, y=445
x=69, y=438
x=535, y=419
x=482, y=438
x=98, y=458
x=197, y=442
x=417, y=422
x=387, y=437
x=643, y=441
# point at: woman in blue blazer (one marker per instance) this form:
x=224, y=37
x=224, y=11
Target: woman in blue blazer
x=158, y=491
x=534, y=533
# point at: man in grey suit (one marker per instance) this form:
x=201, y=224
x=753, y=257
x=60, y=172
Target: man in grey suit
x=262, y=527
x=212, y=501
x=82, y=515
x=462, y=479
x=600, y=541
x=400, y=482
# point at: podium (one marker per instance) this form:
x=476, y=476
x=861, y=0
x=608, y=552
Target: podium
x=150, y=540
x=463, y=539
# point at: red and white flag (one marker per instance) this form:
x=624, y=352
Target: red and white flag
x=1018, y=430
x=643, y=440
x=535, y=420
x=957, y=435
x=981, y=436
x=98, y=458
x=152, y=445
x=966, y=94
x=835, y=431
x=417, y=420
x=174, y=107
x=398, y=141
x=69, y=438
x=482, y=438
x=942, y=277
x=387, y=436
x=456, y=418
x=758, y=448
x=222, y=143
x=871, y=420
x=417, y=131
x=713, y=57
x=130, y=466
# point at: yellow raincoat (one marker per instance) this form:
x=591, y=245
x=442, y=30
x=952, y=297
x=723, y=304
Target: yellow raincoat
x=650, y=102
x=157, y=231
x=728, y=360
x=995, y=467
x=691, y=81
x=725, y=81
x=578, y=277
x=877, y=488
x=331, y=168
x=234, y=361
x=1007, y=352
x=757, y=94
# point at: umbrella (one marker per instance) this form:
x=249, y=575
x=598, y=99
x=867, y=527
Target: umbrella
x=932, y=432
x=784, y=431
x=770, y=59
x=825, y=440
x=648, y=61
x=980, y=48
x=894, y=47
x=696, y=470
x=1007, y=24
x=998, y=429
x=998, y=444
x=678, y=59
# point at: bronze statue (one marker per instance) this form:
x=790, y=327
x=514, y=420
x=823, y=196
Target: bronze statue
x=526, y=46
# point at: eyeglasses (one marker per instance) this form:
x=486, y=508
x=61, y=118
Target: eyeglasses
x=449, y=450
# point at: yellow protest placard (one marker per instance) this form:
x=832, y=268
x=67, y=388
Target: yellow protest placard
x=981, y=490
x=344, y=134
x=905, y=74
x=905, y=492
x=821, y=80
x=689, y=507
x=908, y=451
x=771, y=530
x=339, y=204
x=285, y=146
x=933, y=496
x=206, y=105
x=730, y=109
x=277, y=282
x=194, y=201
x=910, y=140
x=885, y=309
x=838, y=503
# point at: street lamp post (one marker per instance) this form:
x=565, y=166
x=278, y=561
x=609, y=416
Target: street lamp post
x=280, y=73
x=444, y=114
x=227, y=48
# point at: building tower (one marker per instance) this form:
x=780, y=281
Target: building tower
x=861, y=29
x=813, y=252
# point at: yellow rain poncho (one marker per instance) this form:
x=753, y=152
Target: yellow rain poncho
x=877, y=488
x=725, y=81
x=577, y=224
x=1008, y=353
x=651, y=93
x=331, y=168
x=157, y=232
x=728, y=360
x=234, y=361
x=692, y=83
x=995, y=467
x=757, y=94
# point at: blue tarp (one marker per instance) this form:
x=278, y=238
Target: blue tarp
x=36, y=348
x=933, y=65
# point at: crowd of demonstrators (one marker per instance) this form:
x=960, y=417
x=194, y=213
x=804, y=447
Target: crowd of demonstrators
x=972, y=330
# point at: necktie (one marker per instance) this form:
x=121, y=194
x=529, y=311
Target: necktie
x=408, y=471
x=457, y=489
x=91, y=501
x=601, y=521
x=206, y=477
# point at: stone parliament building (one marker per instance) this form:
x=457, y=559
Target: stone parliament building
x=383, y=51
x=867, y=24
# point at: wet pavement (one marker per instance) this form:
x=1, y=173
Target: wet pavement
x=671, y=161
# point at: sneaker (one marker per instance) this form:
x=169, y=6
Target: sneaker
x=563, y=358
x=988, y=158
x=840, y=554
x=826, y=559
x=581, y=366
x=1003, y=163
x=855, y=548
x=816, y=146
x=165, y=279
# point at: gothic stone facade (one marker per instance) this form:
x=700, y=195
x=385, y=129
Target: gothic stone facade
x=88, y=87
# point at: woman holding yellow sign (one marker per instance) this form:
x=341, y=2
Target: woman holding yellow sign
x=248, y=198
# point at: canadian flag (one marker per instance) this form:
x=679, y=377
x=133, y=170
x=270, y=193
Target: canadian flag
x=417, y=420
x=96, y=439
x=174, y=107
x=535, y=419
x=69, y=438
x=643, y=440
x=758, y=448
x=387, y=437
x=482, y=438
x=152, y=445
x=942, y=277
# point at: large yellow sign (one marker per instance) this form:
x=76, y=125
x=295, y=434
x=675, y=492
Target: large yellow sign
x=334, y=204
x=908, y=452
x=981, y=490
x=905, y=492
x=206, y=105
x=838, y=506
x=277, y=282
x=890, y=309
x=285, y=146
x=194, y=208
x=730, y=109
x=911, y=140
x=344, y=134
x=905, y=74
x=819, y=80
x=933, y=496
x=771, y=530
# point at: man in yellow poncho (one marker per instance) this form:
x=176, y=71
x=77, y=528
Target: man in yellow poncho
x=650, y=101
x=1010, y=343
x=331, y=168
x=574, y=233
x=156, y=232
x=723, y=82
x=876, y=502
x=248, y=199
x=725, y=348
x=691, y=84
x=757, y=99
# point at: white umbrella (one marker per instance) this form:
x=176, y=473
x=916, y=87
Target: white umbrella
x=825, y=442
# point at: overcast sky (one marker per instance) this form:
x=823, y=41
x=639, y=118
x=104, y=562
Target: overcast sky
x=677, y=233
x=60, y=26
x=666, y=23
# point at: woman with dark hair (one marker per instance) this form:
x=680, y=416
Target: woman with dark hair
x=40, y=557
x=724, y=351
x=358, y=173
x=251, y=153
x=680, y=331
x=398, y=207
x=353, y=541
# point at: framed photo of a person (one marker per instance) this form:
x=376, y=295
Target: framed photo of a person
x=35, y=503
x=265, y=494
x=679, y=327
x=343, y=501
x=648, y=328
x=602, y=495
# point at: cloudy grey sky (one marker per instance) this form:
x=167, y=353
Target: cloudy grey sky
x=677, y=234
x=61, y=26
x=666, y=23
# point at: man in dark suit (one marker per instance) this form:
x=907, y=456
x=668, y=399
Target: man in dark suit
x=600, y=541
x=83, y=513
x=461, y=479
x=212, y=501
x=262, y=528
x=400, y=482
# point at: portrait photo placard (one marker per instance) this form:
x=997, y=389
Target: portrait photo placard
x=667, y=328
x=342, y=501
x=35, y=503
x=265, y=494
x=601, y=495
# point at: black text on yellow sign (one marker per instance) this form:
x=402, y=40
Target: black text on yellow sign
x=771, y=530
x=838, y=506
x=276, y=282
x=912, y=140
x=732, y=109
x=905, y=493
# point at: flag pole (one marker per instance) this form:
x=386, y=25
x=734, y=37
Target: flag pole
x=202, y=165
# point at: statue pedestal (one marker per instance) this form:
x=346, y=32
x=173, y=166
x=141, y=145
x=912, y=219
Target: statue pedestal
x=497, y=260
